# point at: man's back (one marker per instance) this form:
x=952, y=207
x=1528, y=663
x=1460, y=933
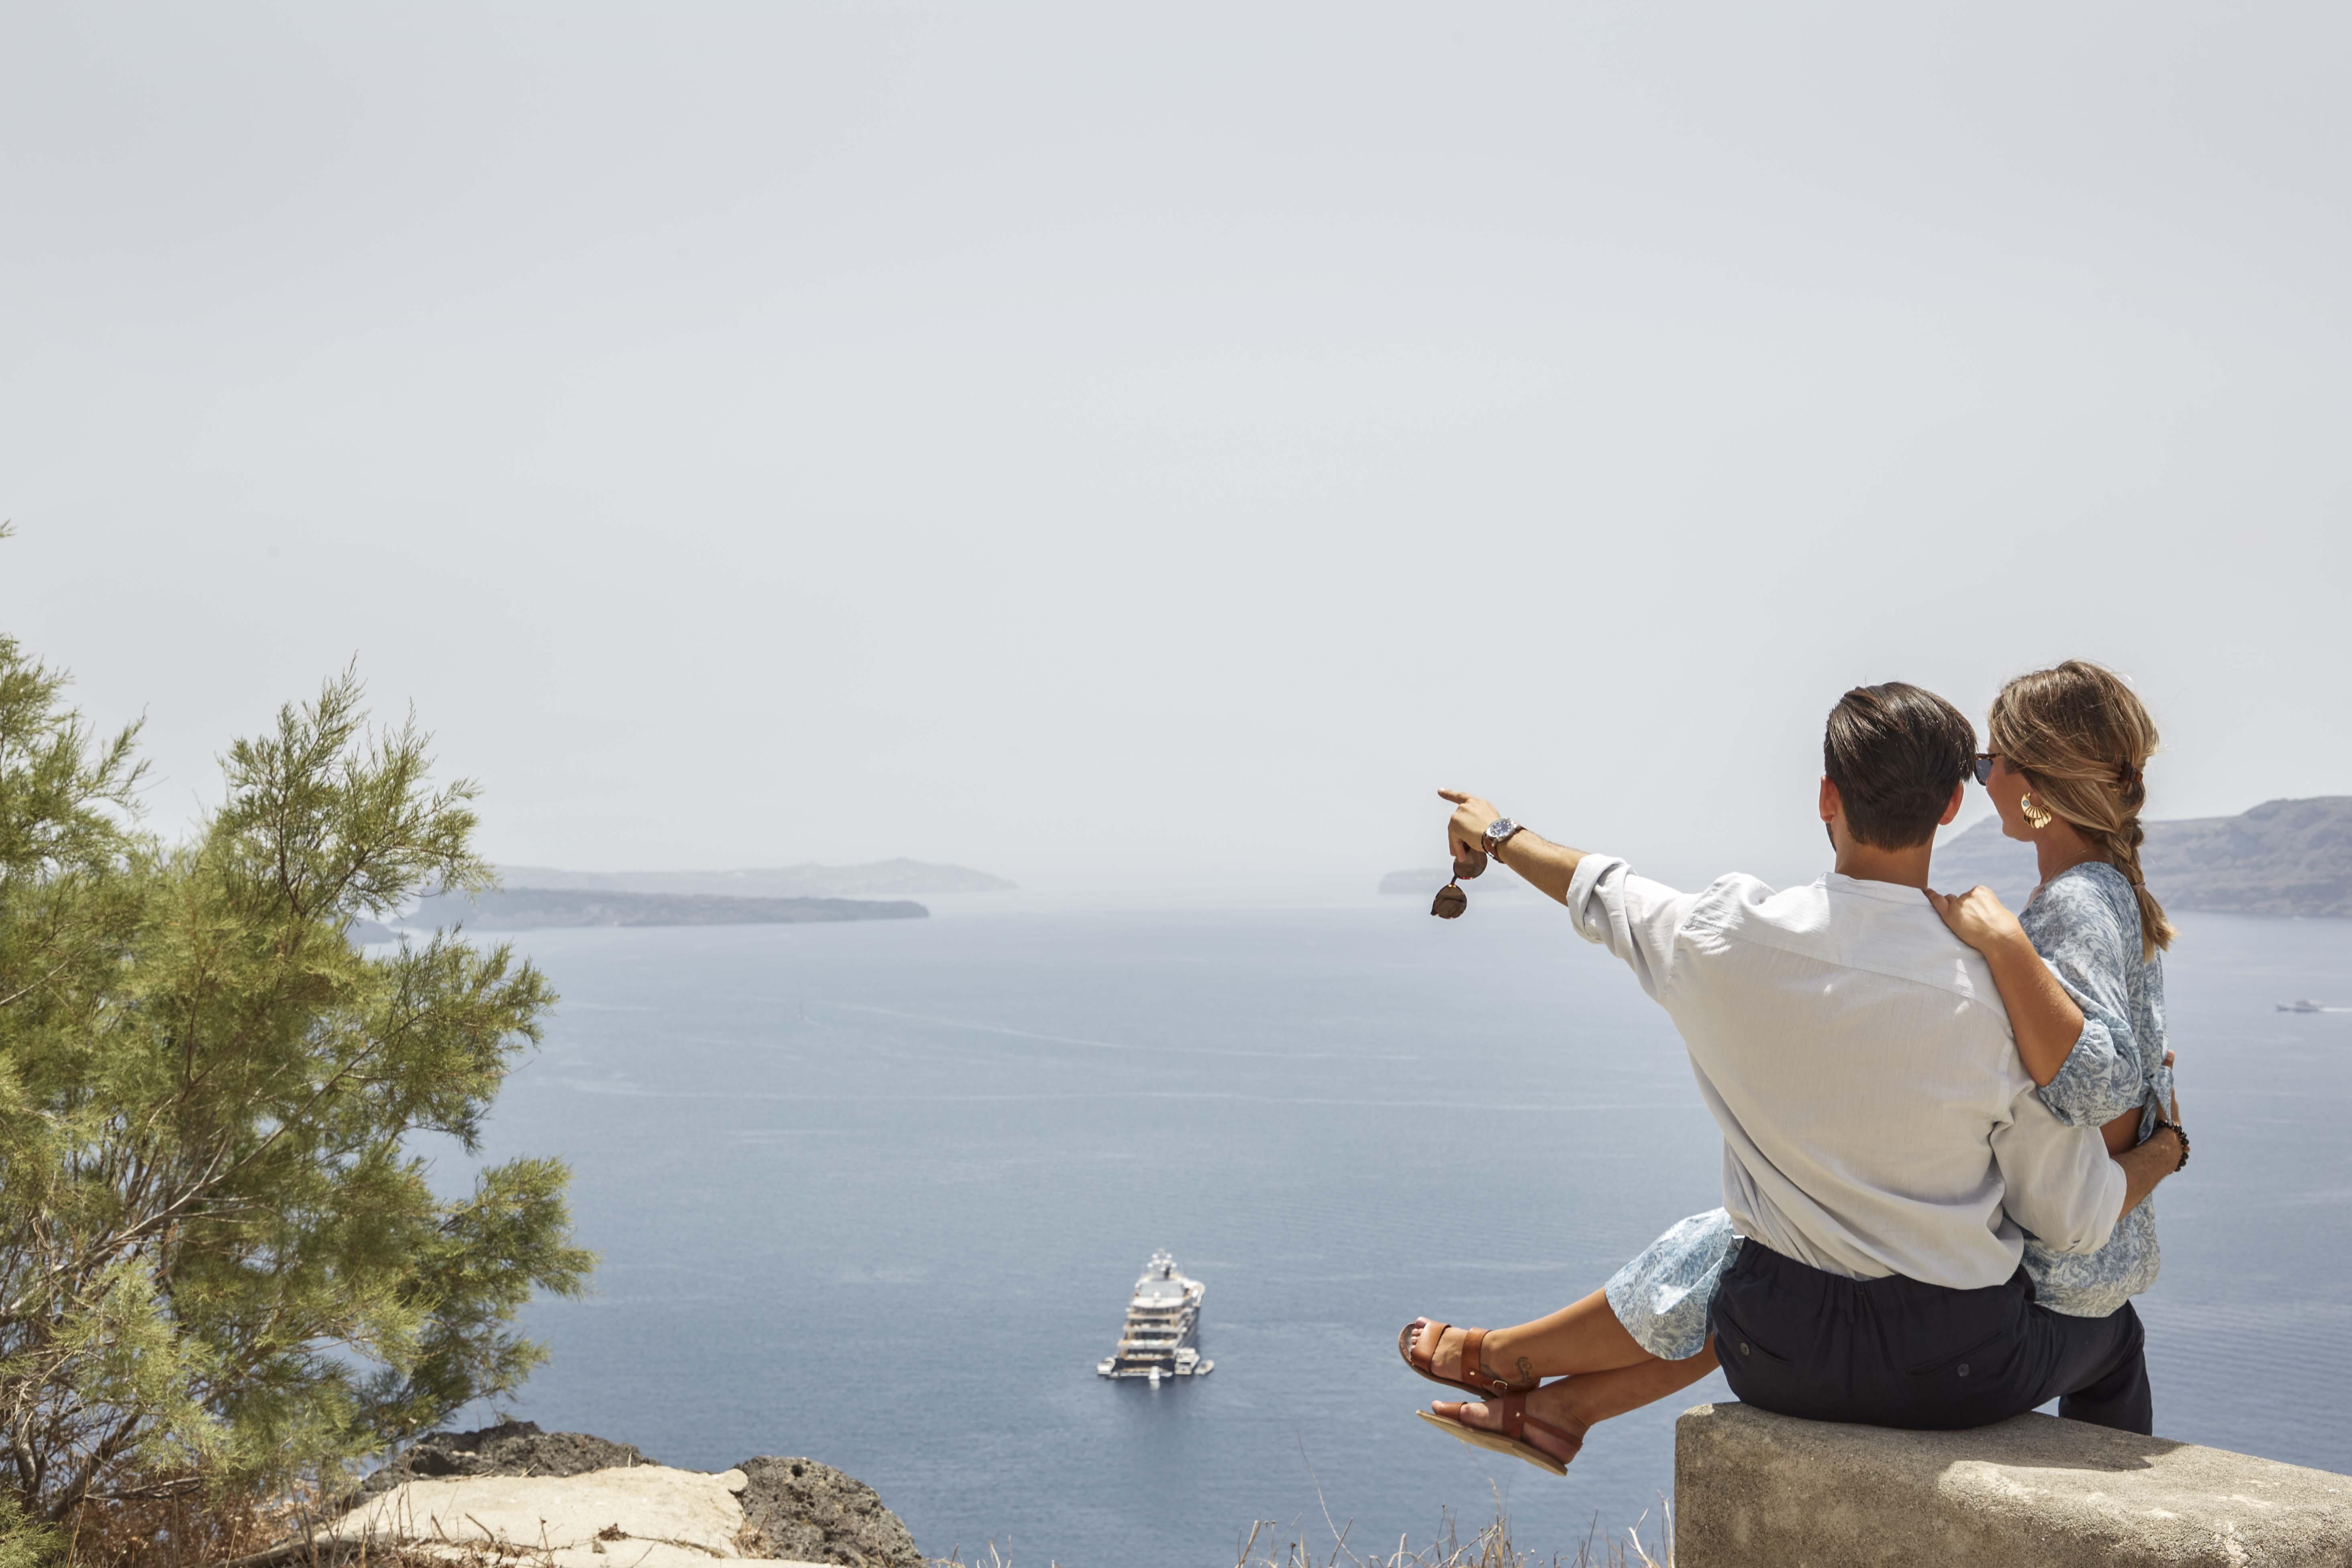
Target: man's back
x=1876, y=1119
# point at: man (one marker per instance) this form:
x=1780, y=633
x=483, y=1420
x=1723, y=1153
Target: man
x=1883, y=1145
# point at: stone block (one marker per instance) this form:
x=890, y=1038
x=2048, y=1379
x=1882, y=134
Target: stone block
x=1757, y=1490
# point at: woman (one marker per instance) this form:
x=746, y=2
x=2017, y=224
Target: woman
x=2081, y=979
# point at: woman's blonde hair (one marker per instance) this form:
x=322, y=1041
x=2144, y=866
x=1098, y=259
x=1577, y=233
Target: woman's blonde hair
x=2081, y=738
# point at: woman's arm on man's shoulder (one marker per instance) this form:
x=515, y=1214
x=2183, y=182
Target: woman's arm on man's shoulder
x=2046, y=1021
x=2062, y=981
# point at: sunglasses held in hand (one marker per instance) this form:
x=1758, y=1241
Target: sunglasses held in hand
x=1451, y=900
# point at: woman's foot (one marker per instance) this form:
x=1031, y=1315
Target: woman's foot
x=1440, y=1352
x=1553, y=1426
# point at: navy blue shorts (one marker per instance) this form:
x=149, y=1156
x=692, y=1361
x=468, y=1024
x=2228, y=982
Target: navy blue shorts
x=1895, y=1352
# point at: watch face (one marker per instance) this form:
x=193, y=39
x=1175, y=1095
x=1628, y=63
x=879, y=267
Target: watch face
x=1500, y=828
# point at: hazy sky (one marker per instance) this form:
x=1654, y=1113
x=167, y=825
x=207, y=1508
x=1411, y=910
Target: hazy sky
x=1119, y=444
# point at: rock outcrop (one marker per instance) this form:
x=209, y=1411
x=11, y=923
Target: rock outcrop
x=814, y=1513
x=509, y=1448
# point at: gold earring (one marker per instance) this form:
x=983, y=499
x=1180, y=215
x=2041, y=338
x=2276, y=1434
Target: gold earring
x=2035, y=816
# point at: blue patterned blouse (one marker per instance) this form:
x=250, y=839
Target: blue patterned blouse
x=2085, y=921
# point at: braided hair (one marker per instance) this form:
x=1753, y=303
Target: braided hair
x=2081, y=738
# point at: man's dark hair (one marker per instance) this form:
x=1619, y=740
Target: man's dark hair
x=1895, y=751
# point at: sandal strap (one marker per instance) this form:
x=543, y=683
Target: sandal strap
x=1474, y=1366
x=1421, y=1356
x=1513, y=1409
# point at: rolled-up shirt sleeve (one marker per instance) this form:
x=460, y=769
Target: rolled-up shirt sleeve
x=2057, y=1181
x=1634, y=917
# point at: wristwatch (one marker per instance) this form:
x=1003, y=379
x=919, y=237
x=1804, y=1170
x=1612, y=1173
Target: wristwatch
x=1499, y=830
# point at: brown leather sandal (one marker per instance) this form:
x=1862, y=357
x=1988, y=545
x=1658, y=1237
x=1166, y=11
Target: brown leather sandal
x=1513, y=1437
x=1479, y=1381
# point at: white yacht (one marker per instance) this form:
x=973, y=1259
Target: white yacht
x=1164, y=1317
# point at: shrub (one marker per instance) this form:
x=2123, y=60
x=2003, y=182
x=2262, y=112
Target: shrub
x=221, y=1263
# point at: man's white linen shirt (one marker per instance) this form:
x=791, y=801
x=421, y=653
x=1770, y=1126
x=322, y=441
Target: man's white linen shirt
x=1876, y=1117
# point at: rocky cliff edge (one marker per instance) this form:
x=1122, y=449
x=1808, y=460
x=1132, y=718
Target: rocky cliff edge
x=572, y=1501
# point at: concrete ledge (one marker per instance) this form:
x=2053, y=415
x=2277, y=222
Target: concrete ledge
x=1758, y=1491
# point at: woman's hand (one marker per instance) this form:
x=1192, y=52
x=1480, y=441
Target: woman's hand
x=1465, y=834
x=1979, y=918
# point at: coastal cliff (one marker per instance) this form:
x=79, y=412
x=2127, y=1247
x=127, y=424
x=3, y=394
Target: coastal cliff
x=2283, y=857
x=565, y=1498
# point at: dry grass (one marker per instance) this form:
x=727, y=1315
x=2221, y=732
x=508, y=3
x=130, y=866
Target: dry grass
x=1270, y=1544
x=177, y=1521
x=180, y=1526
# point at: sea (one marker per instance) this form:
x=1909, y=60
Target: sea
x=876, y=1194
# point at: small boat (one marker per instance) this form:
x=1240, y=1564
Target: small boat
x=1164, y=1317
x=2306, y=1005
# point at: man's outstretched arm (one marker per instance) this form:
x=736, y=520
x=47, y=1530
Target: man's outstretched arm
x=1638, y=920
x=1548, y=866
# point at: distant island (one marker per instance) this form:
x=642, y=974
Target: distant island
x=810, y=880
x=1426, y=883
x=535, y=908
x=2283, y=857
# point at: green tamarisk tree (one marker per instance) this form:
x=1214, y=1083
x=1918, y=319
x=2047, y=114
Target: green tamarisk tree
x=221, y=1262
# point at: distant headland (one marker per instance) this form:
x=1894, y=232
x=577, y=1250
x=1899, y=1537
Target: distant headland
x=540, y=896
x=809, y=881
x=537, y=909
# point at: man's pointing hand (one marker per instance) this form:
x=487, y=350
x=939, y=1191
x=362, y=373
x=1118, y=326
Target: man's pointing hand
x=1465, y=834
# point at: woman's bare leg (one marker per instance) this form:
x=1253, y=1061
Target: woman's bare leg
x=1575, y=1403
x=1597, y=1396
x=1582, y=1337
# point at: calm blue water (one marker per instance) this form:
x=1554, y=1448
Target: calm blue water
x=875, y=1193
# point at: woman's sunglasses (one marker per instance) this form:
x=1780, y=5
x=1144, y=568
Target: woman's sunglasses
x=1984, y=766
